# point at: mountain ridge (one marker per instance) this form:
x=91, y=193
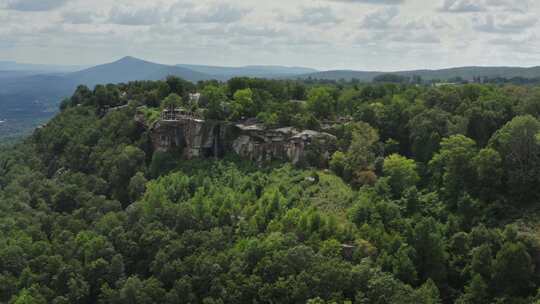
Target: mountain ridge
x=264, y=71
x=465, y=72
x=7, y=65
x=30, y=93
x=130, y=69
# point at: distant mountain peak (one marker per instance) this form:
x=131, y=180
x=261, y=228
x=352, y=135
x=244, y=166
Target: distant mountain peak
x=129, y=59
x=130, y=68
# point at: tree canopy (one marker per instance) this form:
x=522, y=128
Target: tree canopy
x=430, y=198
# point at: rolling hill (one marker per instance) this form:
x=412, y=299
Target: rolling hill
x=38, y=68
x=263, y=71
x=467, y=73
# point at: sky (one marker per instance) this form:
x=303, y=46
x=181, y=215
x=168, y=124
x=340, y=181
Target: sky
x=385, y=35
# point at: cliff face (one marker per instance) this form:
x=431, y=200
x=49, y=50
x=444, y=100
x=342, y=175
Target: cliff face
x=199, y=138
x=193, y=137
x=288, y=144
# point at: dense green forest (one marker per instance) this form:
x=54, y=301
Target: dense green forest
x=431, y=198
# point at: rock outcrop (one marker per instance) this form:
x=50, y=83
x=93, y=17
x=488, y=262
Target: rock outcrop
x=194, y=137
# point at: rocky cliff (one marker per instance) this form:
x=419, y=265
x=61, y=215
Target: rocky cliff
x=193, y=137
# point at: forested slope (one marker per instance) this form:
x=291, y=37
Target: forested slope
x=431, y=199
x=464, y=73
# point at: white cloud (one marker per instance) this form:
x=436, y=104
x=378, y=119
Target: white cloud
x=375, y=2
x=380, y=19
x=138, y=16
x=469, y=6
x=314, y=16
x=78, y=17
x=462, y=6
x=210, y=13
x=510, y=5
x=503, y=23
x=33, y=5
x=348, y=34
x=417, y=37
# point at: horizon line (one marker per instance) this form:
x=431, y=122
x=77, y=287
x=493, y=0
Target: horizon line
x=86, y=66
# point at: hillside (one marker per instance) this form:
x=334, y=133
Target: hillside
x=38, y=68
x=342, y=74
x=225, y=73
x=50, y=88
x=430, y=197
x=466, y=73
x=14, y=74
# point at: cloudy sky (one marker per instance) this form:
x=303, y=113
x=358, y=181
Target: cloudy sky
x=325, y=34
